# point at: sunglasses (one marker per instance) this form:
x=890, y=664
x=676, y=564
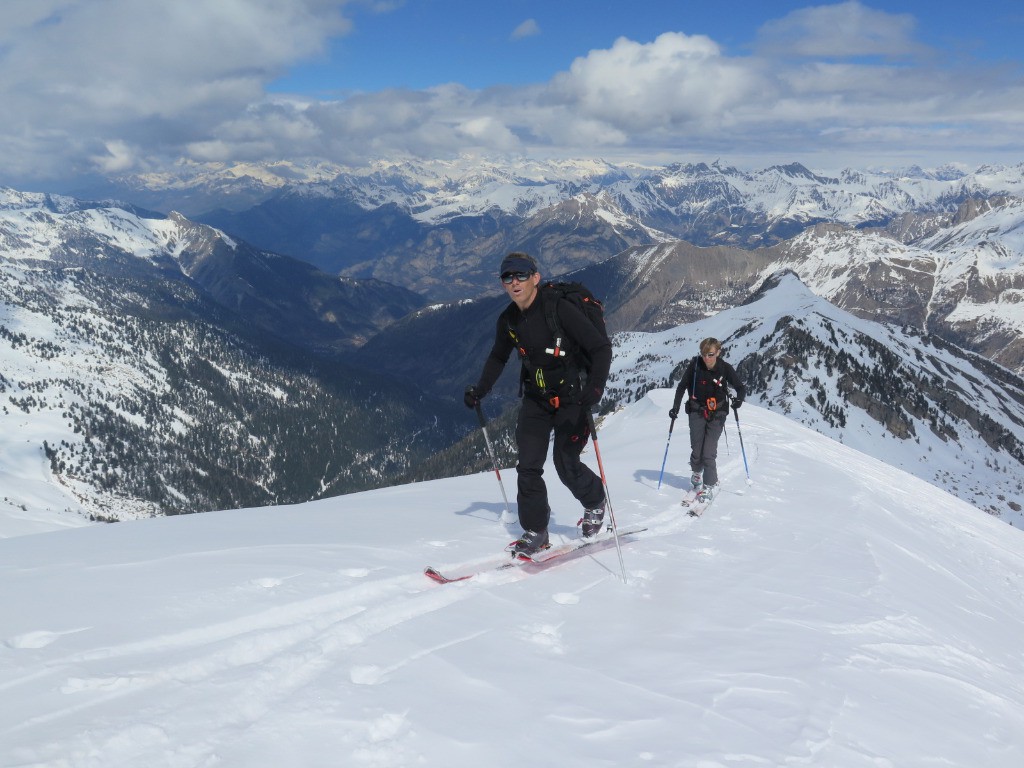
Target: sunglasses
x=710, y=354
x=522, y=277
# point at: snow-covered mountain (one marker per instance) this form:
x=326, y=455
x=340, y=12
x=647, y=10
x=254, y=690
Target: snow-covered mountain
x=438, y=190
x=150, y=365
x=949, y=417
x=408, y=221
x=960, y=278
x=836, y=612
x=110, y=283
x=285, y=297
x=963, y=280
x=937, y=251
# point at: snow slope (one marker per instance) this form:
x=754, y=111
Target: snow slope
x=804, y=384
x=835, y=612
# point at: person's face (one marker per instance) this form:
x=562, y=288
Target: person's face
x=710, y=357
x=521, y=287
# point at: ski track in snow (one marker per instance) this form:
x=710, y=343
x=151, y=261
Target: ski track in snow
x=237, y=691
x=290, y=646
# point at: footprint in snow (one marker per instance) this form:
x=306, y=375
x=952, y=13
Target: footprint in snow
x=38, y=639
x=546, y=636
x=355, y=573
x=268, y=583
x=366, y=674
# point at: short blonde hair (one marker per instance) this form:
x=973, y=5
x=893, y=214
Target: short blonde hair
x=710, y=344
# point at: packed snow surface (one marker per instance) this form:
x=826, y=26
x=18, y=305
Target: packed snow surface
x=834, y=611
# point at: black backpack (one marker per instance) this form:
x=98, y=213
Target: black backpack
x=588, y=304
x=550, y=294
x=574, y=358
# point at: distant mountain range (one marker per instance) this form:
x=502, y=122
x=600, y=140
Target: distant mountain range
x=964, y=283
x=226, y=351
x=942, y=413
x=438, y=227
x=937, y=250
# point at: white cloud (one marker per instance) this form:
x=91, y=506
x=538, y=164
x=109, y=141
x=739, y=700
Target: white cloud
x=489, y=131
x=118, y=157
x=118, y=85
x=153, y=75
x=844, y=30
x=675, y=80
x=528, y=28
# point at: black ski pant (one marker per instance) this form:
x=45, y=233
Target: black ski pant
x=537, y=421
x=704, y=436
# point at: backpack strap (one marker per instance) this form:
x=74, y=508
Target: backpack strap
x=534, y=374
x=550, y=297
x=711, y=404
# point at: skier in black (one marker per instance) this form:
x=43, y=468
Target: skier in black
x=707, y=377
x=554, y=398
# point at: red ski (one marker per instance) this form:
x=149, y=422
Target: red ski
x=537, y=562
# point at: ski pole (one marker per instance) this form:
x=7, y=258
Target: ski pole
x=742, y=449
x=494, y=461
x=671, y=424
x=607, y=496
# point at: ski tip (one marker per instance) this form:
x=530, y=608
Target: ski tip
x=435, y=575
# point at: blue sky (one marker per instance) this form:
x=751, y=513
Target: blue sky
x=118, y=87
x=422, y=43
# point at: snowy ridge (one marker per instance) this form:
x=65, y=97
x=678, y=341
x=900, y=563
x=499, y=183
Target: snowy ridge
x=995, y=238
x=36, y=226
x=645, y=263
x=65, y=348
x=970, y=275
x=56, y=359
x=964, y=280
x=127, y=390
x=437, y=190
x=837, y=612
x=814, y=362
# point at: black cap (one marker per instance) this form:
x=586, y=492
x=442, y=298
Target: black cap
x=517, y=262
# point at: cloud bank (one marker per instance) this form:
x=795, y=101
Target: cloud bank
x=118, y=86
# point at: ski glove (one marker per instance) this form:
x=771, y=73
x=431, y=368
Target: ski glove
x=591, y=397
x=673, y=414
x=736, y=403
x=472, y=397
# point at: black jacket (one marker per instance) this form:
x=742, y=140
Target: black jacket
x=703, y=384
x=545, y=375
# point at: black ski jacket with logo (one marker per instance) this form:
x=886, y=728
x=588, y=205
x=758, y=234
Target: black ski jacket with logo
x=703, y=384
x=543, y=374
